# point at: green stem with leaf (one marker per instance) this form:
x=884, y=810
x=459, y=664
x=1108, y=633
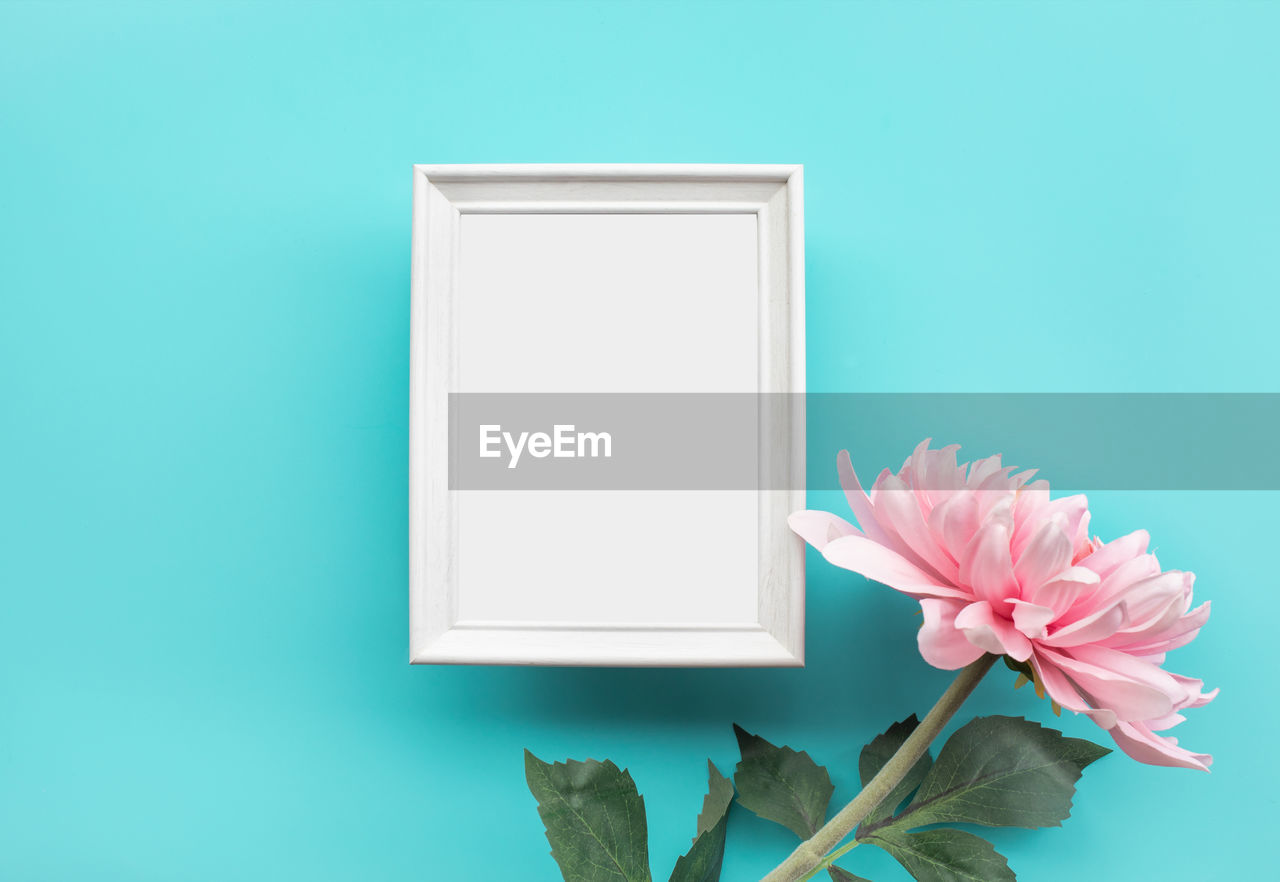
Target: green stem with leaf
x=810, y=855
x=832, y=858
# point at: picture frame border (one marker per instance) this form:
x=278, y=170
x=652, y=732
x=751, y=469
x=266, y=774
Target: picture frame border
x=442, y=194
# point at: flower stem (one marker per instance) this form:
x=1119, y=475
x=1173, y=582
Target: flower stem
x=832, y=858
x=810, y=854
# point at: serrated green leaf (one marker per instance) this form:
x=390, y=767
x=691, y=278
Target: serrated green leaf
x=715, y=805
x=594, y=818
x=944, y=855
x=840, y=874
x=781, y=784
x=879, y=752
x=703, y=861
x=1001, y=772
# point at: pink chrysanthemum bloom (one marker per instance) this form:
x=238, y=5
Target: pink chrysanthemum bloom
x=1000, y=567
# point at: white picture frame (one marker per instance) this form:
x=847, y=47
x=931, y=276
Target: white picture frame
x=445, y=198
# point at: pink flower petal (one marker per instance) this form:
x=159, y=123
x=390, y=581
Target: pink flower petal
x=1155, y=605
x=879, y=564
x=1139, y=742
x=941, y=643
x=1061, y=593
x=997, y=482
x=1098, y=625
x=898, y=509
x=857, y=498
x=1032, y=498
x=986, y=565
x=955, y=520
x=995, y=507
x=1117, y=583
x=1046, y=555
x=940, y=477
x=1150, y=598
x=1135, y=690
x=991, y=632
x=1166, y=722
x=820, y=527
x=1074, y=510
x=1031, y=619
x=1195, y=696
x=1080, y=544
x=1118, y=551
x=1065, y=693
x=1179, y=634
x=983, y=469
x=1023, y=477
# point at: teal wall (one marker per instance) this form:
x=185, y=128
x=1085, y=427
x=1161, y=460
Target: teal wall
x=204, y=243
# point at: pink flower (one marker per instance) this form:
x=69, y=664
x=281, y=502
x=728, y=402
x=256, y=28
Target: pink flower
x=1000, y=567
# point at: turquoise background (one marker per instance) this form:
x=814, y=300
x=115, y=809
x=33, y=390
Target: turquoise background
x=204, y=267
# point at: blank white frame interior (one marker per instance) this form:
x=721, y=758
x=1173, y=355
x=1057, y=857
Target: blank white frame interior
x=465, y=607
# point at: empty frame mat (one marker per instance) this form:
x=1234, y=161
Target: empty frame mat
x=558, y=281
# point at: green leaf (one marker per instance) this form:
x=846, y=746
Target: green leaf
x=1000, y=771
x=702, y=863
x=879, y=752
x=944, y=855
x=780, y=784
x=840, y=874
x=594, y=818
x=715, y=805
